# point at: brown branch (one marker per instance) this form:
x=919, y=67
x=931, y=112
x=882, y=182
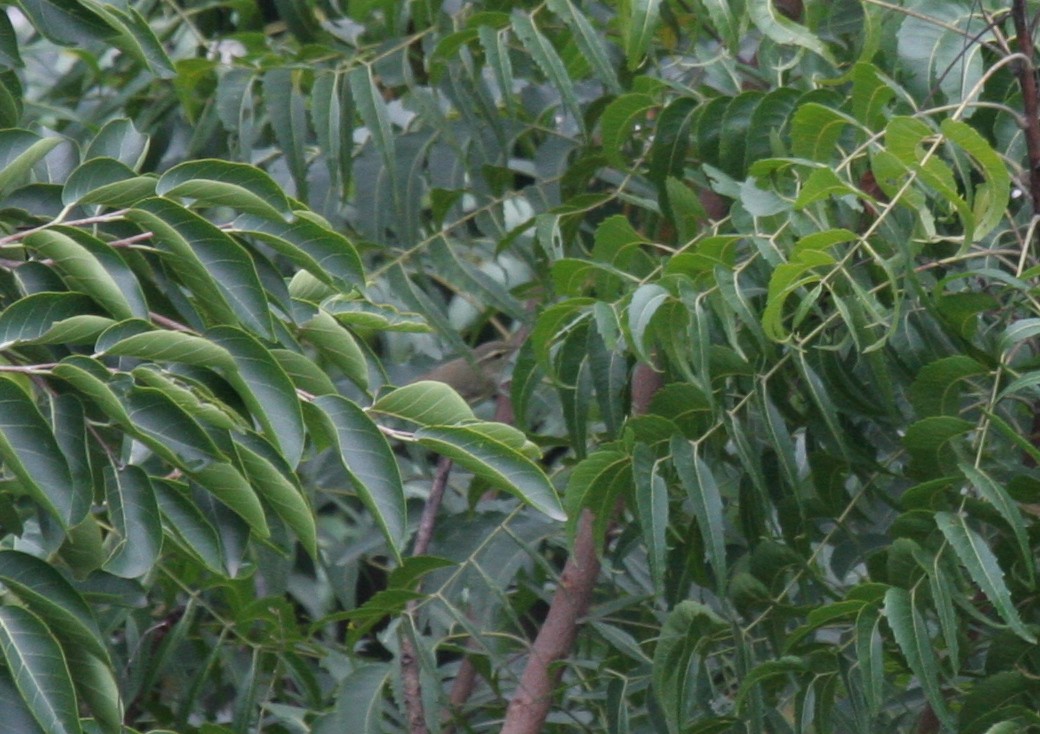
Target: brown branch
x=410, y=667
x=532, y=700
x=1030, y=101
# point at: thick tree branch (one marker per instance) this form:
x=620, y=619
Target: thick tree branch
x=533, y=697
x=1030, y=102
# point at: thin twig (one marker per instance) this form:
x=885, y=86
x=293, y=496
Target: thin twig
x=410, y=667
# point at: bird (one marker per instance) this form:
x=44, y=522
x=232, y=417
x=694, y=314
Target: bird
x=475, y=376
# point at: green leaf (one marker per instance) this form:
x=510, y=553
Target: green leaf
x=548, y=61
x=97, y=687
x=1002, y=502
x=20, y=150
x=685, y=638
x=338, y=345
x=272, y=478
x=265, y=388
x=170, y=346
x=937, y=388
x=703, y=492
x=589, y=41
x=190, y=525
x=119, y=139
x=30, y=452
x=38, y=668
x=928, y=441
x=372, y=109
x=288, y=116
x=596, y=483
x=783, y=31
x=651, y=504
x=67, y=22
x=9, y=56
x=134, y=515
x=482, y=450
x=17, y=718
x=359, y=703
x=47, y=593
x=370, y=462
x=645, y=302
x=617, y=123
x=34, y=317
x=426, y=402
x=639, y=19
x=310, y=243
x=106, y=181
x=227, y=484
x=93, y=268
x=983, y=568
x=913, y=638
x=167, y=428
x=219, y=272
x=223, y=183
x=990, y=197
x=815, y=131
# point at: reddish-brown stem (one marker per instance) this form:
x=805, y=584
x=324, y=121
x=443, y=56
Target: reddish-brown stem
x=410, y=667
x=532, y=700
x=1030, y=102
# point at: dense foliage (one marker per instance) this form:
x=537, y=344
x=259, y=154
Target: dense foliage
x=771, y=266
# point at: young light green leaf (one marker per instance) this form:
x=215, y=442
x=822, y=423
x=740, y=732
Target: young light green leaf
x=134, y=515
x=482, y=451
x=983, y=568
x=426, y=402
x=369, y=461
x=36, y=664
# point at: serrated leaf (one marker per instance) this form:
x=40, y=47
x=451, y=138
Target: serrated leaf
x=983, y=568
x=38, y=668
x=785, y=32
x=369, y=461
x=485, y=453
x=589, y=40
x=913, y=638
x=425, y=402
x=134, y=515
x=617, y=123
x=225, y=183
x=651, y=505
x=703, y=492
x=548, y=60
x=359, y=703
x=640, y=19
